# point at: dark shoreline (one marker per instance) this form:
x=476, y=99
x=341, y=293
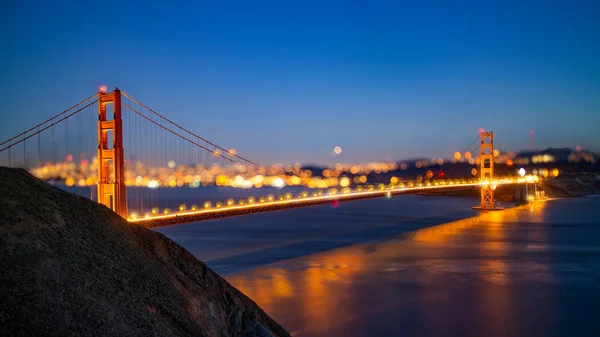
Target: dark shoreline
x=573, y=185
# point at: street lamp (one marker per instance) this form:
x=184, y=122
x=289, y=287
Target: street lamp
x=522, y=172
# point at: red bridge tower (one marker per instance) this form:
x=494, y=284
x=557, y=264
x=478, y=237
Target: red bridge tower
x=111, y=164
x=486, y=171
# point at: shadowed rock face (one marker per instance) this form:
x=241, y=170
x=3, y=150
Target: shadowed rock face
x=70, y=266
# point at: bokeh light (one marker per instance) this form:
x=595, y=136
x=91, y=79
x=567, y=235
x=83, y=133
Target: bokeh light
x=337, y=150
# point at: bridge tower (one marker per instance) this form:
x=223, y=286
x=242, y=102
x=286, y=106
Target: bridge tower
x=486, y=170
x=111, y=164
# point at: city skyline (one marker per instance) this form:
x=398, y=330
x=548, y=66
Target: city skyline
x=383, y=82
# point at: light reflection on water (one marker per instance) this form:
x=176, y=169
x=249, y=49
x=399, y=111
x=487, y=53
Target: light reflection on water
x=232, y=244
x=472, y=277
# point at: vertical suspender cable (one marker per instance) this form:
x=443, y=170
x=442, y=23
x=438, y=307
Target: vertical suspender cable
x=147, y=169
x=128, y=160
x=39, y=147
x=137, y=152
x=66, y=137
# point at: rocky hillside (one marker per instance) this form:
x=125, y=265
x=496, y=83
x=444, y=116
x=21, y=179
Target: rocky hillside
x=572, y=185
x=71, y=267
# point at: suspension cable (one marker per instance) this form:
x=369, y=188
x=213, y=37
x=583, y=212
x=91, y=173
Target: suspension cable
x=454, y=165
x=171, y=131
x=48, y=120
x=188, y=131
x=47, y=127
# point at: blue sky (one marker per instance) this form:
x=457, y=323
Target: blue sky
x=285, y=81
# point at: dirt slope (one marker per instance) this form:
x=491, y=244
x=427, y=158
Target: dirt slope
x=69, y=266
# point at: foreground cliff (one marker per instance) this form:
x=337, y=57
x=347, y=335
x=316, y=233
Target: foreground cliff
x=70, y=266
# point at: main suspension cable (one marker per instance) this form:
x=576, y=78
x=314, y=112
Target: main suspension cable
x=49, y=120
x=171, y=131
x=45, y=128
x=190, y=132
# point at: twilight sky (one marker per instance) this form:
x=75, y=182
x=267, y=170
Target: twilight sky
x=286, y=81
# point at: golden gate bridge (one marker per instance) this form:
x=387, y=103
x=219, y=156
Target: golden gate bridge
x=123, y=123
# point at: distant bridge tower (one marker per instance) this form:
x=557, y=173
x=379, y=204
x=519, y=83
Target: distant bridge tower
x=111, y=164
x=486, y=169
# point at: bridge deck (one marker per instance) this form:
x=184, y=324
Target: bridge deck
x=229, y=211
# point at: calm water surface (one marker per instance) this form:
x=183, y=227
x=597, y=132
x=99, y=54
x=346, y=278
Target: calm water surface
x=234, y=244
x=384, y=268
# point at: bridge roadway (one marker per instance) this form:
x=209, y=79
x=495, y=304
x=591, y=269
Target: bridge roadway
x=176, y=218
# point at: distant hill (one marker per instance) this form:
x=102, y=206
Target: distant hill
x=70, y=266
x=559, y=154
x=572, y=185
